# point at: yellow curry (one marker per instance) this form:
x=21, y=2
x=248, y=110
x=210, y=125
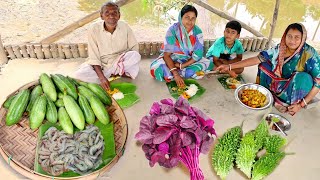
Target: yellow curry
x=111, y=92
x=253, y=98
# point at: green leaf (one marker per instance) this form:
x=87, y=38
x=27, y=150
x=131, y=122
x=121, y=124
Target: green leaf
x=224, y=84
x=124, y=87
x=128, y=100
x=128, y=90
x=175, y=94
x=108, y=137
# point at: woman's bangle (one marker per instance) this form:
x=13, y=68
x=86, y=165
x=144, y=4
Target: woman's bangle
x=229, y=67
x=305, y=103
x=180, y=66
x=172, y=69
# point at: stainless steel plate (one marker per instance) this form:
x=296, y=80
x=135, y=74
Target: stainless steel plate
x=283, y=123
x=263, y=90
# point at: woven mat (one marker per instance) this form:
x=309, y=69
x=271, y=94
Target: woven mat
x=19, y=141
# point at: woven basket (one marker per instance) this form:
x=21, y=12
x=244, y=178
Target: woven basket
x=18, y=142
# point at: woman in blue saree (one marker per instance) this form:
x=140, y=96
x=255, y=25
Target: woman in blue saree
x=182, y=55
x=290, y=70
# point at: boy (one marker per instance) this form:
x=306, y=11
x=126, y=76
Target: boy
x=224, y=49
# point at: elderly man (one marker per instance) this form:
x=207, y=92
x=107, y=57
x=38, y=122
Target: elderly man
x=112, y=48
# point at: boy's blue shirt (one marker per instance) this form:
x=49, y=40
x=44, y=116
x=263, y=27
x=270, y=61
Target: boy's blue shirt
x=219, y=47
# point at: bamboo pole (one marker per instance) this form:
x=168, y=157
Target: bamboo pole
x=259, y=41
x=83, y=21
x=3, y=55
x=263, y=44
x=226, y=16
x=211, y=42
x=54, y=51
x=314, y=36
x=148, y=49
x=154, y=48
x=86, y=49
x=245, y=44
x=74, y=50
x=31, y=51
x=249, y=47
x=60, y=51
x=241, y=40
x=67, y=51
x=142, y=48
x=206, y=46
x=10, y=52
x=159, y=45
x=24, y=51
x=46, y=51
x=254, y=44
x=274, y=22
x=38, y=50
x=82, y=50
x=16, y=50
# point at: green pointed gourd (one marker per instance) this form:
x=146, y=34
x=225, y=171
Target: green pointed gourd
x=65, y=121
x=36, y=92
x=99, y=110
x=38, y=112
x=74, y=111
x=87, y=110
x=100, y=93
x=8, y=102
x=48, y=87
x=52, y=113
x=17, y=107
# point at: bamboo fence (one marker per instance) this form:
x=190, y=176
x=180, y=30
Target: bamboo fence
x=80, y=50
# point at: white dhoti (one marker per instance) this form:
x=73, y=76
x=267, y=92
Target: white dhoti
x=127, y=63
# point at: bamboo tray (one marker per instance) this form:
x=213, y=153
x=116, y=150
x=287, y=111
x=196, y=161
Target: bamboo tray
x=18, y=142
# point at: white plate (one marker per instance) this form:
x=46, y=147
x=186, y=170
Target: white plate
x=263, y=90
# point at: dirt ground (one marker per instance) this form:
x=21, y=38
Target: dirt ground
x=216, y=102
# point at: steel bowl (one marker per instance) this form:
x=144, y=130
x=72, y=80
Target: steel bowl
x=263, y=90
x=283, y=123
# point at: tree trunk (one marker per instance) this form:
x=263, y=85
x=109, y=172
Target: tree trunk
x=226, y=16
x=274, y=22
x=87, y=19
x=315, y=33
